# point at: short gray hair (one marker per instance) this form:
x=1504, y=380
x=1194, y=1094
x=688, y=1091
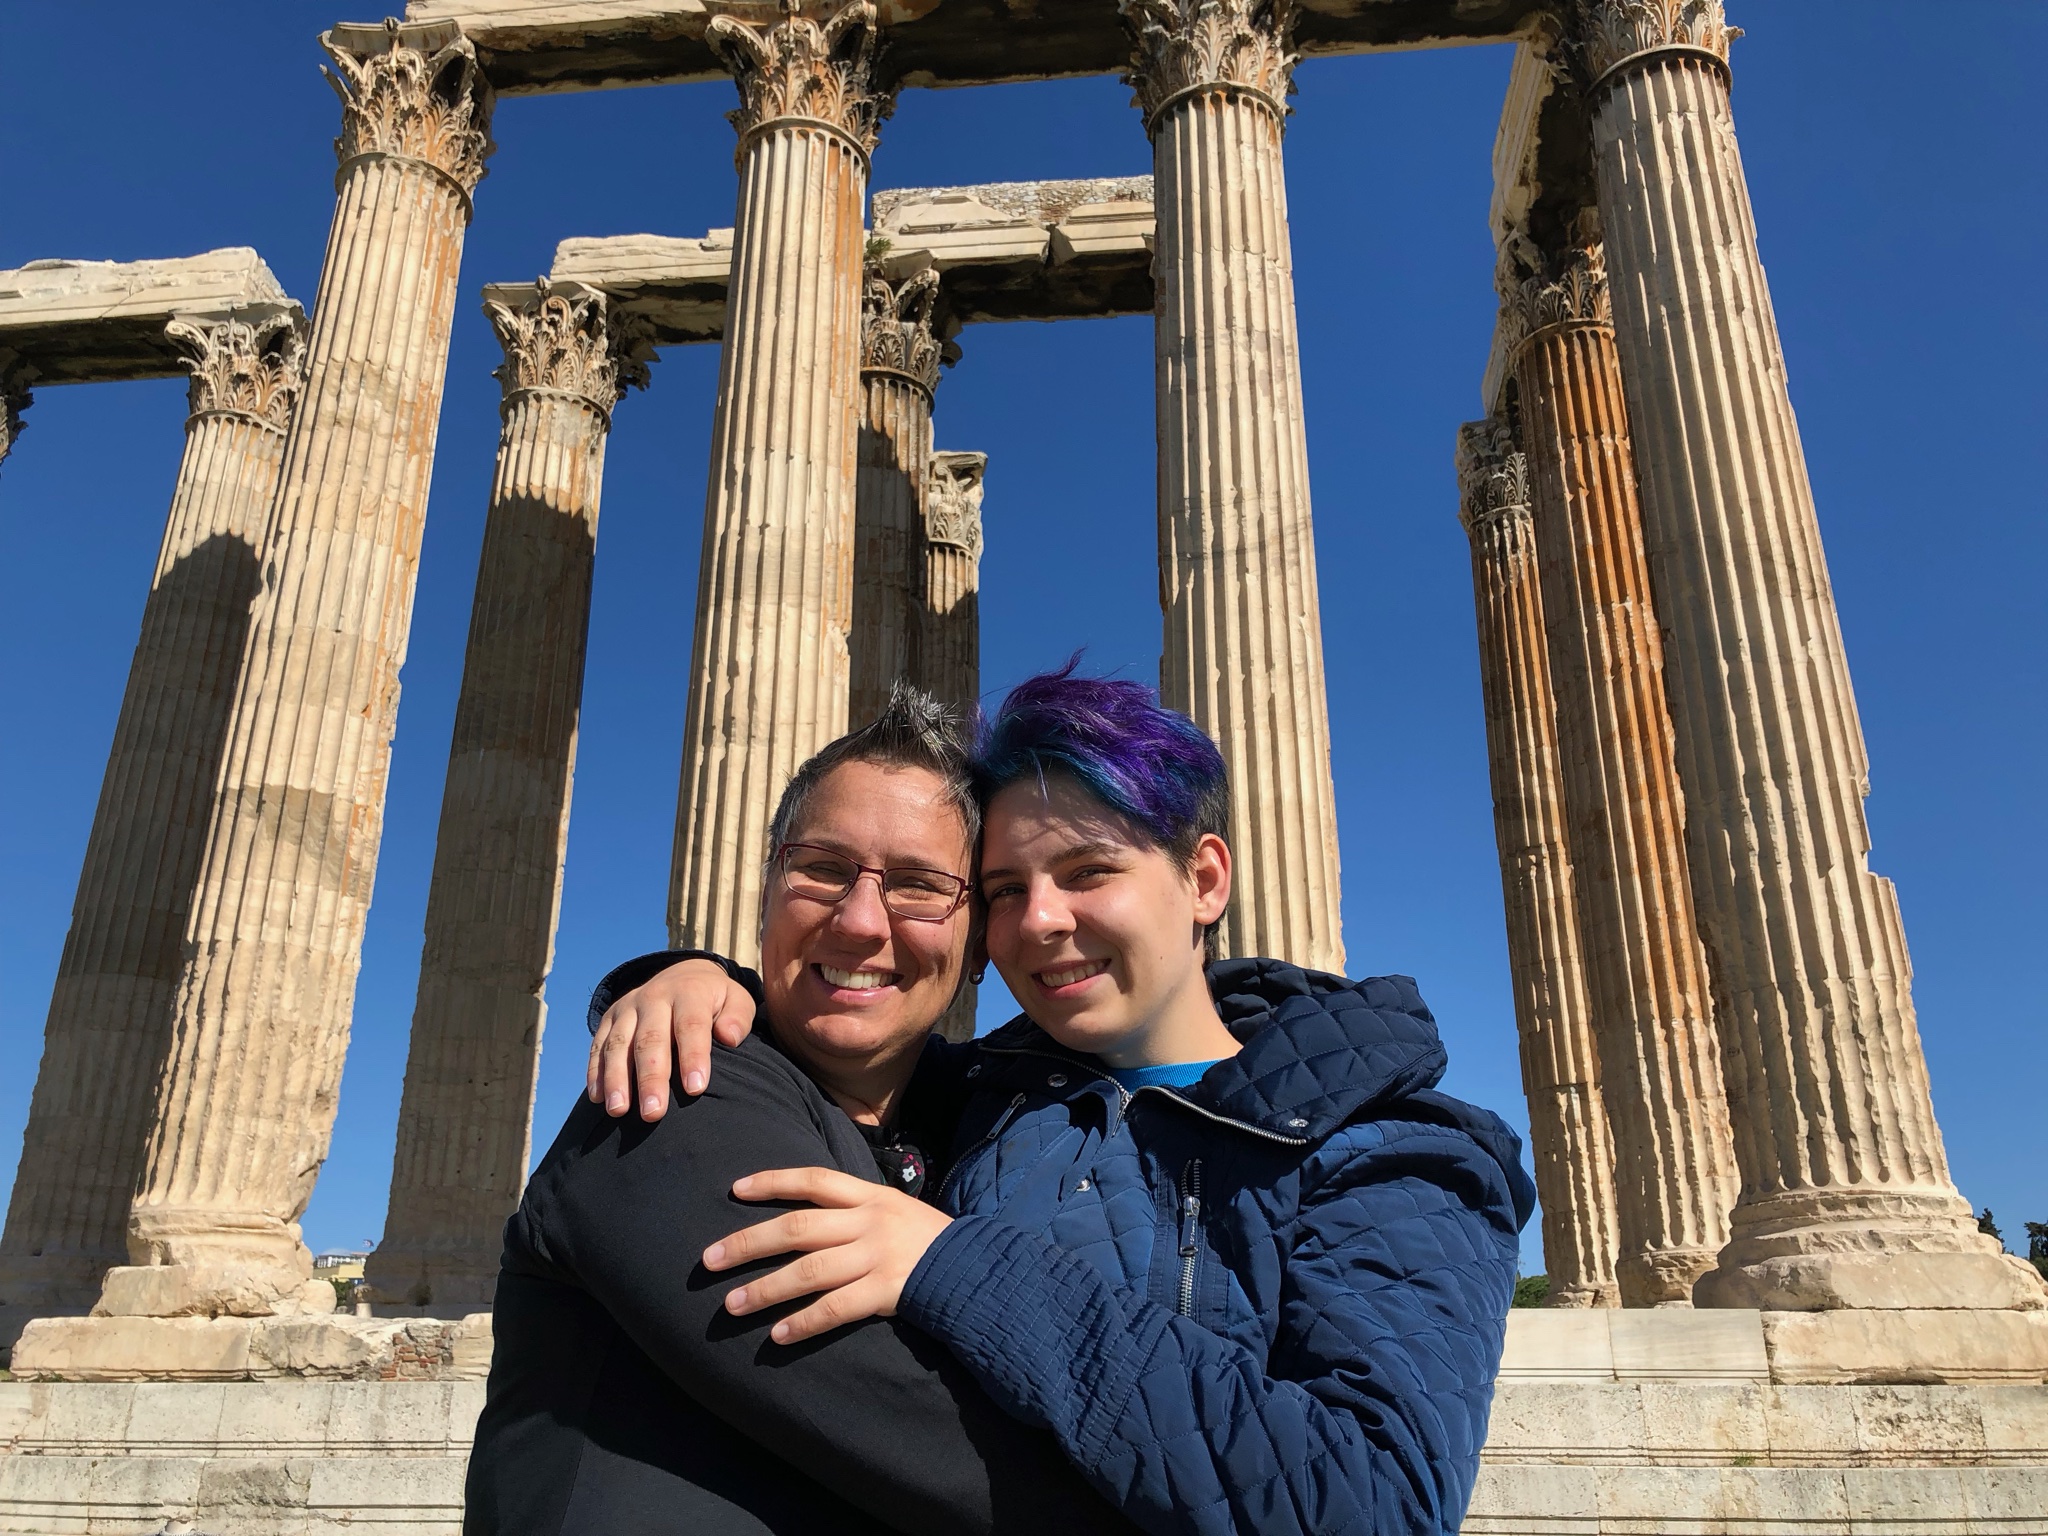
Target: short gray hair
x=914, y=730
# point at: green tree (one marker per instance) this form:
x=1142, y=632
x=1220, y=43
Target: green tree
x=1530, y=1290
x=1989, y=1227
x=2037, y=1246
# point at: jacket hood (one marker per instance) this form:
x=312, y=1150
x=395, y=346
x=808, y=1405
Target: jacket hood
x=1318, y=1052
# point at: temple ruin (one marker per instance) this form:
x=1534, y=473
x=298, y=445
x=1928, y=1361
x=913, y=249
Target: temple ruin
x=1756, y=1249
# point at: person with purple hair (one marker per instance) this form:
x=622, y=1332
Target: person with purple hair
x=1207, y=1222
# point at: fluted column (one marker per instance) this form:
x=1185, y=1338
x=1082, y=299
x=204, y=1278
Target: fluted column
x=1243, y=651
x=1646, y=977
x=1846, y=1197
x=1568, y=1134
x=949, y=635
x=899, y=370
x=465, y=1121
x=110, y=1011
x=274, y=940
x=769, y=669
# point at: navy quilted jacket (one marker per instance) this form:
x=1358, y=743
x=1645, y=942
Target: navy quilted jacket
x=1270, y=1302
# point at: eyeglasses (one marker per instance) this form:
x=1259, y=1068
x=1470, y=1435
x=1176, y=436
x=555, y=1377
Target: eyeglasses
x=819, y=874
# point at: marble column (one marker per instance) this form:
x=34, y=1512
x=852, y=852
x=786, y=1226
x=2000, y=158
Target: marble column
x=1243, y=652
x=1568, y=1135
x=1646, y=977
x=246, y=1098
x=465, y=1121
x=110, y=1011
x=899, y=370
x=769, y=665
x=1846, y=1198
x=949, y=638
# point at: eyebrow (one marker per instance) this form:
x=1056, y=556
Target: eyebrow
x=1079, y=850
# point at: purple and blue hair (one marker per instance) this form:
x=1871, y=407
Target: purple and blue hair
x=1151, y=764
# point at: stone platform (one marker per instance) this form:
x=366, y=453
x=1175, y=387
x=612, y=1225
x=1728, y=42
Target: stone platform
x=1605, y=1424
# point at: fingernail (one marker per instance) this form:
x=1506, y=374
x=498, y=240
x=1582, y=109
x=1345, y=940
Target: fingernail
x=737, y=1301
x=741, y=1186
x=616, y=1103
x=694, y=1082
x=715, y=1256
x=779, y=1333
x=649, y=1105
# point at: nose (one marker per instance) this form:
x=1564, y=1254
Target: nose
x=860, y=913
x=1046, y=918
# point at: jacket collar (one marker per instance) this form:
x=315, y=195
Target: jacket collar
x=1316, y=1051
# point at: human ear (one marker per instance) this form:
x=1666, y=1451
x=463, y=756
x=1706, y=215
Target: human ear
x=1209, y=872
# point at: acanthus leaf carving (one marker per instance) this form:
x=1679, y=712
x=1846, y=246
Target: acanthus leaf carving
x=559, y=341
x=1609, y=31
x=823, y=71
x=1182, y=46
x=1571, y=288
x=896, y=331
x=952, y=500
x=1493, y=476
x=252, y=366
x=399, y=100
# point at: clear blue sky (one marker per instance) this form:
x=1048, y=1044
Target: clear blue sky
x=1899, y=189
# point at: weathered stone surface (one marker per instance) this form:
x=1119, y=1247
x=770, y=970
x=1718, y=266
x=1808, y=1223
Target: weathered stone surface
x=98, y=322
x=241, y=1349
x=899, y=370
x=558, y=45
x=465, y=1121
x=1908, y=1345
x=1039, y=250
x=1242, y=653
x=1846, y=1197
x=1646, y=980
x=110, y=1010
x=769, y=677
x=1569, y=1141
x=260, y=1022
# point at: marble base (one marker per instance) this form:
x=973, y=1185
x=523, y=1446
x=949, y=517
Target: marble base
x=334, y=1348
x=1611, y=1423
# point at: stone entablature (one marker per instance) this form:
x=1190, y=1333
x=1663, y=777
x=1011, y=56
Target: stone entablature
x=570, y=45
x=1032, y=250
x=102, y=322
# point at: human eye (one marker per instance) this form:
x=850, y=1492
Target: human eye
x=922, y=881
x=818, y=865
x=1001, y=890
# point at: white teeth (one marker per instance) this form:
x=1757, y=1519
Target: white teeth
x=856, y=981
x=1073, y=974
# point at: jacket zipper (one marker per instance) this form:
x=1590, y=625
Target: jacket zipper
x=1190, y=1233
x=939, y=1199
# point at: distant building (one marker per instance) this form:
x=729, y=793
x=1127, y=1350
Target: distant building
x=339, y=1266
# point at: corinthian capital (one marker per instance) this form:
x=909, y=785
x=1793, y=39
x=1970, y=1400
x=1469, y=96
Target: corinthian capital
x=557, y=341
x=819, y=70
x=411, y=93
x=244, y=366
x=1609, y=31
x=1182, y=46
x=1569, y=289
x=1493, y=476
x=896, y=334
x=952, y=500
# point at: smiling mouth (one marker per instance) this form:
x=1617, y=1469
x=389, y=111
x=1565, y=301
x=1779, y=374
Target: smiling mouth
x=1071, y=974
x=857, y=981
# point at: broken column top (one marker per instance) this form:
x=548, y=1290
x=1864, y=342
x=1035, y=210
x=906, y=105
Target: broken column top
x=95, y=322
x=1025, y=250
x=581, y=45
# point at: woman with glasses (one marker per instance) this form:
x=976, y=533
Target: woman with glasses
x=623, y=1400
x=1210, y=1225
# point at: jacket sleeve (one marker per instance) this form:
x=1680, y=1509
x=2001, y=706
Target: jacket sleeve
x=1369, y=1410
x=641, y=969
x=877, y=1413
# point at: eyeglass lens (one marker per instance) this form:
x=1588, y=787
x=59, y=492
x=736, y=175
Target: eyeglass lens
x=825, y=876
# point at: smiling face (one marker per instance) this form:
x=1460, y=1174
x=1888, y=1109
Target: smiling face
x=1096, y=930
x=847, y=984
